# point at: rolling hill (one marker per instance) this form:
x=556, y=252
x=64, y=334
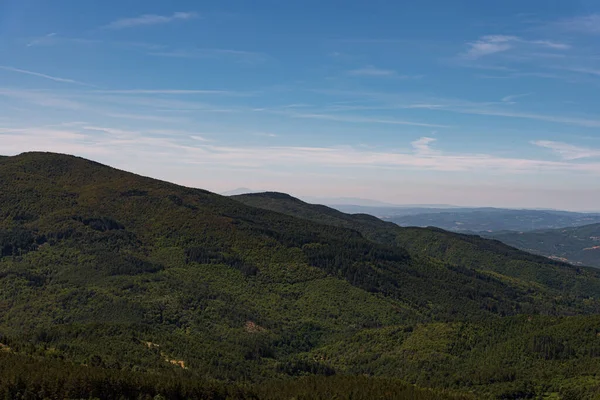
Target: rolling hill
x=578, y=246
x=471, y=251
x=114, y=285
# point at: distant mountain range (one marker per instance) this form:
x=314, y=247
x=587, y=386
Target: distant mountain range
x=239, y=191
x=494, y=220
x=580, y=245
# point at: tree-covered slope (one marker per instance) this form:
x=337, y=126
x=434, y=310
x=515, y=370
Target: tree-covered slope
x=579, y=246
x=470, y=251
x=371, y=227
x=131, y=276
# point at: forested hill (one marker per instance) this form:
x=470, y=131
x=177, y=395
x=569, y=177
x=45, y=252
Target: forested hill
x=462, y=250
x=578, y=246
x=108, y=278
x=371, y=227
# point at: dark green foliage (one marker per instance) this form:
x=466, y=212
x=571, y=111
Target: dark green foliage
x=16, y=242
x=33, y=379
x=101, y=224
x=305, y=367
x=549, y=348
x=358, y=388
x=27, y=378
x=138, y=279
x=469, y=251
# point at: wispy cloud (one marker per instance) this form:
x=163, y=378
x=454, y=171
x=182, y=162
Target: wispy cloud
x=588, y=24
x=491, y=44
x=144, y=117
x=248, y=57
x=265, y=134
x=510, y=99
x=40, y=75
x=56, y=40
x=356, y=119
x=582, y=70
x=111, y=104
x=169, y=147
x=568, y=151
x=549, y=44
x=150, y=19
x=422, y=146
x=587, y=122
x=168, y=92
x=516, y=75
x=42, y=98
x=41, y=40
x=390, y=101
x=372, y=71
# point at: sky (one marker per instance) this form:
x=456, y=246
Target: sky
x=471, y=103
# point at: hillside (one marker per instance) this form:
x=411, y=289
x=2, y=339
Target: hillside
x=371, y=227
x=579, y=246
x=107, y=278
x=483, y=255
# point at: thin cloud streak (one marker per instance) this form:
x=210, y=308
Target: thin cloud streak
x=150, y=19
x=167, y=91
x=511, y=98
x=587, y=24
x=366, y=120
x=458, y=106
x=40, y=75
x=491, y=44
x=568, y=151
x=372, y=71
x=588, y=71
x=41, y=40
x=248, y=57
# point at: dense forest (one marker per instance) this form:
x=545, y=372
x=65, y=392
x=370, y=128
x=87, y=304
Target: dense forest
x=118, y=286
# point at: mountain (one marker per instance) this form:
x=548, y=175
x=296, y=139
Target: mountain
x=348, y=201
x=114, y=285
x=579, y=246
x=494, y=220
x=238, y=191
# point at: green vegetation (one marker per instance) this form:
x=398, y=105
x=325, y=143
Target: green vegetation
x=120, y=286
x=579, y=246
x=478, y=255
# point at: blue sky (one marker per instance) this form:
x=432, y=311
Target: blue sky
x=462, y=102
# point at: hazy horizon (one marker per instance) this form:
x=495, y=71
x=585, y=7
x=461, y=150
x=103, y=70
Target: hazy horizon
x=470, y=104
